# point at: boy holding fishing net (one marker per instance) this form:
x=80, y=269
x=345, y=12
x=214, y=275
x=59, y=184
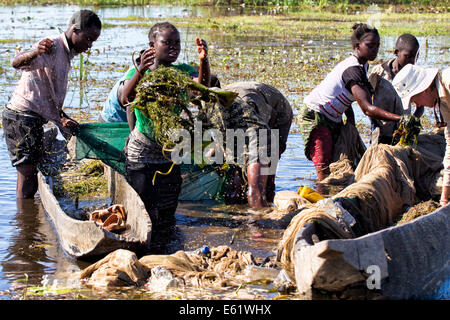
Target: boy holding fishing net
x=40, y=95
x=150, y=171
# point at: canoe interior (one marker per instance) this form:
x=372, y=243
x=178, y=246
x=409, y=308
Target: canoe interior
x=84, y=239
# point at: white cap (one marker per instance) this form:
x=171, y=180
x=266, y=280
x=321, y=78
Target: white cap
x=412, y=80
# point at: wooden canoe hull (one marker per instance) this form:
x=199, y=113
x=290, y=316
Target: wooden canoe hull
x=410, y=260
x=85, y=239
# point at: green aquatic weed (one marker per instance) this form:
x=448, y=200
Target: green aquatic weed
x=161, y=95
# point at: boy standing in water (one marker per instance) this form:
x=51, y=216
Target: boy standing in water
x=385, y=96
x=144, y=155
x=40, y=93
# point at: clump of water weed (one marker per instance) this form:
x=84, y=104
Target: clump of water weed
x=163, y=94
x=85, y=181
x=408, y=130
x=420, y=209
x=92, y=168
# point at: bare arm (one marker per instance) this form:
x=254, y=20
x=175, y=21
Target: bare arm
x=131, y=118
x=204, y=72
x=363, y=98
x=127, y=91
x=26, y=57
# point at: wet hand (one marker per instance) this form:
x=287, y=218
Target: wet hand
x=69, y=123
x=147, y=60
x=202, y=48
x=45, y=46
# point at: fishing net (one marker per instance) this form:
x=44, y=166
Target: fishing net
x=103, y=141
x=347, y=153
x=216, y=269
x=388, y=180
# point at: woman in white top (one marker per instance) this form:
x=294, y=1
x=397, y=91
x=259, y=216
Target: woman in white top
x=320, y=119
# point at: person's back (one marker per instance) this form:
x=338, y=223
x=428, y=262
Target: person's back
x=274, y=109
x=269, y=102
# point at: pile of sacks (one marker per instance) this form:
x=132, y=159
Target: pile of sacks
x=218, y=268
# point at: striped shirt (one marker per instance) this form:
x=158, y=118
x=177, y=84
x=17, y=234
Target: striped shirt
x=332, y=97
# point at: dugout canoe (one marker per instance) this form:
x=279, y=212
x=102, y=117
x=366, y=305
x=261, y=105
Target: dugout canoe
x=84, y=239
x=411, y=260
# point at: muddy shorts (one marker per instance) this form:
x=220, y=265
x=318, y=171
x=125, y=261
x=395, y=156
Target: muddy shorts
x=308, y=120
x=24, y=136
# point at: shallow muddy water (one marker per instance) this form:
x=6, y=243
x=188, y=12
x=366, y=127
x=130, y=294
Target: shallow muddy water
x=28, y=244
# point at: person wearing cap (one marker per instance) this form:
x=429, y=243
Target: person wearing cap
x=429, y=87
x=406, y=52
x=40, y=93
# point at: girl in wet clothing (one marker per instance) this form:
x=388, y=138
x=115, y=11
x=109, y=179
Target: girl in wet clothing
x=40, y=93
x=145, y=156
x=320, y=118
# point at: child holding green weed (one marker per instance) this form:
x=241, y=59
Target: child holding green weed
x=145, y=157
x=40, y=93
